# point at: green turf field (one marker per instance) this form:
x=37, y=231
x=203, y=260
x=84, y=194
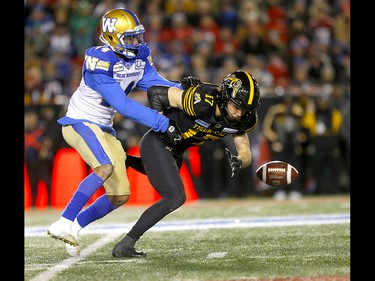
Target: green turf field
x=231, y=239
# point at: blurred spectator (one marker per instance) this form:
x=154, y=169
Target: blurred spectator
x=33, y=81
x=251, y=10
x=227, y=42
x=198, y=9
x=324, y=126
x=53, y=85
x=106, y=5
x=340, y=57
x=180, y=29
x=227, y=16
x=200, y=68
x=38, y=26
x=320, y=22
x=282, y=127
x=64, y=68
x=230, y=64
x=179, y=6
x=257, y=65
x=316, y=64
x=341, y=26
x=61, y=41
x=207, y=31
x=227, y=48
x=345, y=147
x=48, y=116
x=298, y=11
x=251, y=38
x=276, y=27
x=157, y=36
x=307, y=103
x=83, y=25
x=37, y=154
x=279, y=70
x=340, y=100
x=300, y=76
x=62, y=12
x=299, y=45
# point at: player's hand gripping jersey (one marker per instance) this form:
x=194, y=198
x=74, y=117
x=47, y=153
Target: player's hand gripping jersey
x=197, y=120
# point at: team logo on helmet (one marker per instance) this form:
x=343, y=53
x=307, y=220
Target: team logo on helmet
x=108, y=25
x=236, y=84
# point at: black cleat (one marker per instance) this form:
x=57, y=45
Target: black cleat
x=117, y=252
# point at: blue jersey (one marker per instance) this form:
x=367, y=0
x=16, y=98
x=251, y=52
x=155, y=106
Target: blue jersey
x=107, y=79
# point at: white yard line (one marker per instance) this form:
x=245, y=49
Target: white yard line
x=107, y=228
x=51, y=272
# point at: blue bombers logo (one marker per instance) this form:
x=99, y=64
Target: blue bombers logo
x=108, y=24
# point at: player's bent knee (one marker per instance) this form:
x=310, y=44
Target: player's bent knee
x=118, y=200
x=177, y=202
x=105, y=171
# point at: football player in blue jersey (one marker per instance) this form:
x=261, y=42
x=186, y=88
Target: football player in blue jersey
x=109, y=73
x=203, y=112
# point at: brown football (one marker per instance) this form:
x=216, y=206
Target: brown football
x=277, y=173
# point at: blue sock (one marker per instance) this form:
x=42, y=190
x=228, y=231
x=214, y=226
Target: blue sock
x=83, y=193
x=101, y=207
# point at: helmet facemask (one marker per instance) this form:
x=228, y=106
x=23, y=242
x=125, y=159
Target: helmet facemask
x=130, y=43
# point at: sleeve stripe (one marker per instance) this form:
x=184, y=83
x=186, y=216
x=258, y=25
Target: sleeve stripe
x=188, y=103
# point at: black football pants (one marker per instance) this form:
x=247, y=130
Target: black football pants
x=162, y=168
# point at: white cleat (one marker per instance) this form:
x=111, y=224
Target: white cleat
x=61, y=230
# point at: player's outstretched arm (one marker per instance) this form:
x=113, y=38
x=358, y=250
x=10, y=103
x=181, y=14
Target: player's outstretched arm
x=163, y=97
x=242, y=144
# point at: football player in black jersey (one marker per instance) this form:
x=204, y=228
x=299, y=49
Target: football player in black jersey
x=203, y=112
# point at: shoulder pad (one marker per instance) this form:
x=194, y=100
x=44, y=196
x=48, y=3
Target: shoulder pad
x=99, y=58
x=102, y=52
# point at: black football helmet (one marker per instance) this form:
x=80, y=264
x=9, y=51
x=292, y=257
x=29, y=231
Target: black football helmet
x=242, y=90
x=121, y=30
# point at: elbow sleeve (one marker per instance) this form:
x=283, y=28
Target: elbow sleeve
x=158, y=97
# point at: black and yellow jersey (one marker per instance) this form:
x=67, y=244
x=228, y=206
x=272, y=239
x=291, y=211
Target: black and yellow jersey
x=197, y=119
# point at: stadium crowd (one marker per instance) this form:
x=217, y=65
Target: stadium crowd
x=298, y=49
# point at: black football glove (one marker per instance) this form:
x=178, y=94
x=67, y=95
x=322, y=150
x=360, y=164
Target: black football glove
x=172, y=135
x=190, y=81
x=234, y=162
